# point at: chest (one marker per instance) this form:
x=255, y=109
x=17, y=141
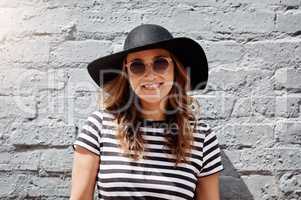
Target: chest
x=153, y=175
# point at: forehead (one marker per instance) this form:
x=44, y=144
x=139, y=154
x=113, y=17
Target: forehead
x=147, y=53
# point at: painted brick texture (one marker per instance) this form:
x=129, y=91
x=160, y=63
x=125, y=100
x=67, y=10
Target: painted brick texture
x=252, y=100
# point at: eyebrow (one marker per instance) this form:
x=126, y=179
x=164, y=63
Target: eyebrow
x=158, y=56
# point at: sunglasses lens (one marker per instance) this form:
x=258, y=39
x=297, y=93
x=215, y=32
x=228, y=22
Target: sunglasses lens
x=160, y=65
x=137, y=67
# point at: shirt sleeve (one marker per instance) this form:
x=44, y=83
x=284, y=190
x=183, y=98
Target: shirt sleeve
x=90, y=134
x=212, y=162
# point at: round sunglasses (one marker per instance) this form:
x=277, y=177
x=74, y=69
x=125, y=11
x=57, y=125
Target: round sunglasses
x=159, y=65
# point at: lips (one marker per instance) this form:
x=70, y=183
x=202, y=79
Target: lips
x=152, y=85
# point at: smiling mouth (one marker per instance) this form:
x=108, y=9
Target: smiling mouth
x=151, y=86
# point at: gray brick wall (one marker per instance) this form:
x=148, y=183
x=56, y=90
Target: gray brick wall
x=252, y=99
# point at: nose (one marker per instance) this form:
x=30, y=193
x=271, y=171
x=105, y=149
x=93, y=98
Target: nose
x=148, y=69
x=149, y=72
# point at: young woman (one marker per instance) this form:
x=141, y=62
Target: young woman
x=146, y=142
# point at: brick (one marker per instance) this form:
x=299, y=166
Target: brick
x=176, y=18
x=229, y=5
x=261, y=187
x=69, y=51
x=288, y=78
x=265, y=159
x=57, y=160
x=54, y=187
x=268, y=53
x=8, y=19
x=252, y=98
x=20, y=81
x=84, y=103
x=288, y=158
x=34, y=51
x=66, y=105
x=112, y=19
x=26, y=186
x=290, y=183
x=5, y=127
x=39, y=134
x=227, y=79
x=18, y=106
x=6, y=185
x=13, y=4
x=80, y=80
x=256, y=135
x=288, y=106
x=208, y=18
x=216, y=106
x=54, y=104
x=242, y=107
x=28, y=160
x=27, y=82
x=241, y=82
x=267, y=106
x=49, y=4
x=223, y=52
x=288, y=132
x=34, y=18
x=289, y=21
x=255, y=21
x=264, y=105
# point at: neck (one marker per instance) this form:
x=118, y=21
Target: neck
x=152, y=111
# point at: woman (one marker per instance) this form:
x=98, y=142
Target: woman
x=146, y=142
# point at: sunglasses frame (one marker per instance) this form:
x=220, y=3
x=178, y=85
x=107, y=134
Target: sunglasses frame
x=169, y=60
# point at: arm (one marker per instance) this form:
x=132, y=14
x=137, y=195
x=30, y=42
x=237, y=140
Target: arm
x=208, y=187
x=84, y=172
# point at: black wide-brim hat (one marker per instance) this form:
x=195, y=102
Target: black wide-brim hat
x=148, y=36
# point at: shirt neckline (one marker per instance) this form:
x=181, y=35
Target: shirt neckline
x=151, y=122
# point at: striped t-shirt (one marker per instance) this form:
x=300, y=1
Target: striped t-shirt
x=155, y=176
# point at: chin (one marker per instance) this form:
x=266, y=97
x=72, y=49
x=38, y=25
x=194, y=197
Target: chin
x=150, y=98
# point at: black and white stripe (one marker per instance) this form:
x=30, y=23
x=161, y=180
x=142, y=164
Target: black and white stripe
x=155, y=176
x=89, y=137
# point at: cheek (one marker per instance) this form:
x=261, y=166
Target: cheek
x=133, y=83
x=169, y=78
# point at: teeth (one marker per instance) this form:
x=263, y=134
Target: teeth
x=152, y=85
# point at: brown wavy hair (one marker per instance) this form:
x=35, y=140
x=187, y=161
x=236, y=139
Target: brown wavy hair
x=120, y=102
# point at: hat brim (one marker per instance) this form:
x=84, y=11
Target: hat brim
x=188, y=51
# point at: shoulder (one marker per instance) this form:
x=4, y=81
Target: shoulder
x=201, y=128
x=199, y=122
x=97, y=120
x=102, y=116
x=101, y=113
